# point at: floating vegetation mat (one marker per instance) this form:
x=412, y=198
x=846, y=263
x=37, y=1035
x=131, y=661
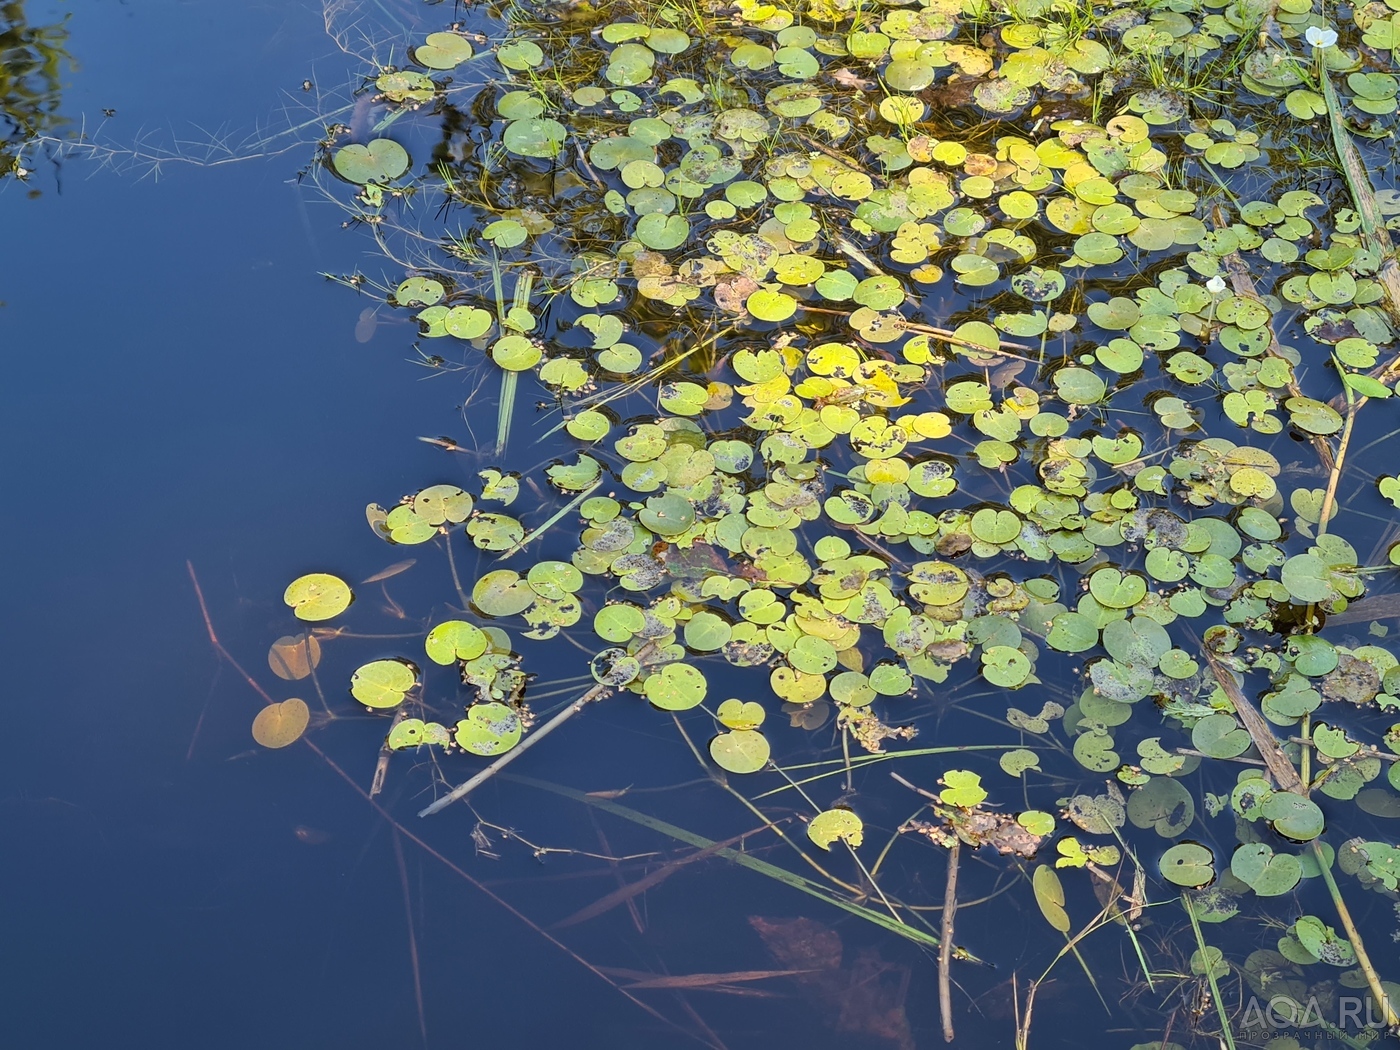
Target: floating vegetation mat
x=1014, y=374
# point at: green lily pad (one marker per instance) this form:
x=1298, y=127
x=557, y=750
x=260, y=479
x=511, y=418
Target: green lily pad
x=489, y=729
x=1293, y=816
x=740, y=751
x=455, y=640
x=382, y=683
x=1188, y=864
x=443, y=51
x=317, y=596
x=377, y=161
x=832, y=824
x=676, y=687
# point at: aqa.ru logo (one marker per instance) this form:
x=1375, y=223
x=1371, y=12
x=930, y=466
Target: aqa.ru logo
x=1353, y=1011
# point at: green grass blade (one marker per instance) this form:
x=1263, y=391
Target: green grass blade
x=1226, y=1034
x=744, y=860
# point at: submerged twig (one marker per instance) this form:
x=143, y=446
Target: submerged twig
x=456, y=869
x=945, y=937
x=629, y=890
x=463, y=790
x=412, y=937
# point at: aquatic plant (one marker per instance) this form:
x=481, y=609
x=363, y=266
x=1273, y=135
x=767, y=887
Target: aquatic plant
x=895, y=346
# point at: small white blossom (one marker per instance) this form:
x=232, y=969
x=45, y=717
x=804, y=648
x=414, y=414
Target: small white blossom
x=1216, y=285
x=1320, y=37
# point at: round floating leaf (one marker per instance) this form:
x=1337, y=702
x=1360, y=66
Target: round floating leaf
x=455, y=640
x=962, y=788
x=378, y=161
x=443, y=50
x=771, y=306
x=1017, y=761
x=502, y=593
x=740, y=714
x=833, y=824
x=467, y=322
x=294, y=656
x=1079, y=386
x=406, y=85
x=317, y=596
x=742, y=751
x=419, y=291
x=520, y=54
x=1072, y=632
x=667, y=515
x=278, y=725
x=1188, y=864
x=1117, y=590
x=489, y=729
x=707, y=632
x=1164, y=805
x=1220, y=736
x=1322, y=942
x=1267, y=873
x=1005, y=666
x=676, y=687
x=555, y=580
x=534, y=137
x=406, y=734
x=440, y=504
x=382, y=683
x=1293, y=816
x=516, y=353
x=662, y=232
x=1307, y=578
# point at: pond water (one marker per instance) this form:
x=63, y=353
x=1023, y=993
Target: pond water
x=227, y=312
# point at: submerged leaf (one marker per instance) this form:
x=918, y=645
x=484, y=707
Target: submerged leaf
x=278, y=725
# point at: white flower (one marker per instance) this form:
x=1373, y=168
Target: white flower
x=1216, y=285
x=1320, y=37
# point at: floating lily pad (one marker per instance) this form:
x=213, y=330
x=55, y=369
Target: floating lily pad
x=378, y=161
x=1188, y=864
x=740, y=751
x=317, y=596
x=278, y=725
x=382, y=683
x=455, y=640
x=489, y=729
x=832, y=824
x=443, y=50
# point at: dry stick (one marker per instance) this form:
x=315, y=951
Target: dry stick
x=1354, y=935
x=1288, y=780
x=465, y=789
x=945, y=942
x=939, y=333
x=452, y=565
x=840, y=158
x=454, y=868
x=1259, y=732
x=1373, y=230
x=412, y=937
x=617, y=871
x=1336, y=475
x=381, y=767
